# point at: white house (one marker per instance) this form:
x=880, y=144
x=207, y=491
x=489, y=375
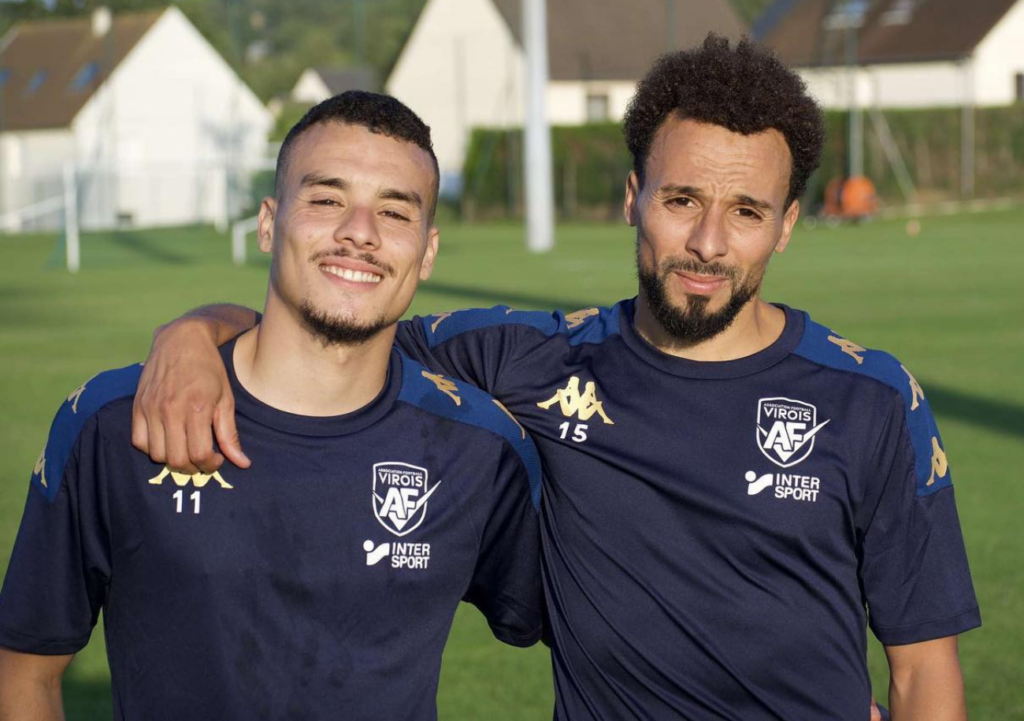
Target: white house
x=462, y=66
x=155, y=122
x=908, y=53
x=319, y=83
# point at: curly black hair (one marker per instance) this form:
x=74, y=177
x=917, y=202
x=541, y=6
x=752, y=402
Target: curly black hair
x=381, y=114
x=745, y=89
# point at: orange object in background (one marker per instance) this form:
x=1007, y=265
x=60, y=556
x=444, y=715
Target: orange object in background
x=850, y=198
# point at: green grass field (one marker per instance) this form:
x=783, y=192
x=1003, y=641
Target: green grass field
x=949, y=303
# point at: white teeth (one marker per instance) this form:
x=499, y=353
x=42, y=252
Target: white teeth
x=356, y=276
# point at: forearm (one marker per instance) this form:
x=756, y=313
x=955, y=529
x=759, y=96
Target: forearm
x=220, y=322
x=927, y=687
x=32, y=700
x=30, y=686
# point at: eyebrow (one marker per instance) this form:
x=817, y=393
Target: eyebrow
x=761, y=205
x=404, y=196
x=310, y=179
x=754, y=202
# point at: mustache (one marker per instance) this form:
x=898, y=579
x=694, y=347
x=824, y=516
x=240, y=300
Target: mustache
x=367, y=258
x=689, y=265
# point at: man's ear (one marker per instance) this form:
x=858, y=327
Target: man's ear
x=268, y=209
x=427, y=265
x=788, y=223
x=629, y=209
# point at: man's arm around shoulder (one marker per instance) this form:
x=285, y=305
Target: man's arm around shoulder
x=30, y=687
x=184, y=392
x=925, y=681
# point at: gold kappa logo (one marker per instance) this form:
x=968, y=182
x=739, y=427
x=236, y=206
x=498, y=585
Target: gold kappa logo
x=849, y=348
x=509, y=414
x=573, y=403
x=444, y=385
x=575, y=320
x=916, y=391
x=199, y=480
x=76, y=395
x=40, y=468
x=940, y=465
x=441, y=317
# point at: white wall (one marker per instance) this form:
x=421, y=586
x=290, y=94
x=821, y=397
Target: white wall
x=567, y=100
x=310, y=88
x=167, y=122
x=459, y=69
x=999, y=57
x=906, y=85
x=31, y=170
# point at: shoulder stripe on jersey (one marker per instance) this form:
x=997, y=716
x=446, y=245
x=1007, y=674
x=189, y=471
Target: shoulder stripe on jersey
x=820, y=345
x=82, y=404
x=589, y=325
x=465, y=403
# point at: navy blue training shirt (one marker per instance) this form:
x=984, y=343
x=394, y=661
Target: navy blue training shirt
x=718, y=535
x=319, y=584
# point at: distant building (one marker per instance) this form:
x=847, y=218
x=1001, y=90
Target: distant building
x=909, y=53
x=318, y=84
x=462, y=66
x=141, y=104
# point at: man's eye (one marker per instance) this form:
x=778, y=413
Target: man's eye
x=394, y=214
x=325, y=201
x=750, y=213
x=681, y=202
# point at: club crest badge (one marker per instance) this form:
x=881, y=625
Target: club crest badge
x=400, y=495
x=786, y=430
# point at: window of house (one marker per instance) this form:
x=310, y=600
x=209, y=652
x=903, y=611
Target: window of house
x=597, y=107
x=36, y=82
x=85, y=76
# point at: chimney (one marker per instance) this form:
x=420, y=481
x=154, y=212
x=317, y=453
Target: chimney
x=101, y=21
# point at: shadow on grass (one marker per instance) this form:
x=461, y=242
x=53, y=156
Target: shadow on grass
x=486, y=298
x=141, y=245
x=87, y=699
x=997, y=416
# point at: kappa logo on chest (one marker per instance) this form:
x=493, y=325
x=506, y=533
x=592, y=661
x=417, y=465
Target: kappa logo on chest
x=786, y=430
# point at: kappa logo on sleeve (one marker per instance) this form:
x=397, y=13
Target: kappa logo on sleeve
x=400, y=495
x=786, y=430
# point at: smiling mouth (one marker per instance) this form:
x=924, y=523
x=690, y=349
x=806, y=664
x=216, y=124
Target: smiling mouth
x=353, y=276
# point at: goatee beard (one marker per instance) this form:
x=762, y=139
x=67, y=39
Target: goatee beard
x=338, y=331
x=694, y=323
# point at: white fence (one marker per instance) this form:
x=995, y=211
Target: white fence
x=154, y=196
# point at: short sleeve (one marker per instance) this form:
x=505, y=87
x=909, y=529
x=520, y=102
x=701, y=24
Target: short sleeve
x=506, y=582
x=477, y=345
x=59, y=571
x=914, y=567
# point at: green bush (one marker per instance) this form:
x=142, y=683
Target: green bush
x=591, y=162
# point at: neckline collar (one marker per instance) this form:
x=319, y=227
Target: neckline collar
x=299, y=425
x=687, y=368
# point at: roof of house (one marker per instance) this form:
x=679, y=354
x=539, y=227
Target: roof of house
x=616, y=40
x=338, y=80
x=893, y=31
x=50, y=68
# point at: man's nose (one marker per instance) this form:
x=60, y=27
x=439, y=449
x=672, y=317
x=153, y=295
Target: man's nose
x=358, y=227
x=709, y=239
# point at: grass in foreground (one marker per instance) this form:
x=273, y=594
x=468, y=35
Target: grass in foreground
x=947, y=302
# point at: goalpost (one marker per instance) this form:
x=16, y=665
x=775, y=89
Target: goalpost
x=13, y=221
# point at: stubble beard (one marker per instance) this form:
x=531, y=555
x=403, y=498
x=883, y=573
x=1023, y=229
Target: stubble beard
x=694, y=323
x=337, y=330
